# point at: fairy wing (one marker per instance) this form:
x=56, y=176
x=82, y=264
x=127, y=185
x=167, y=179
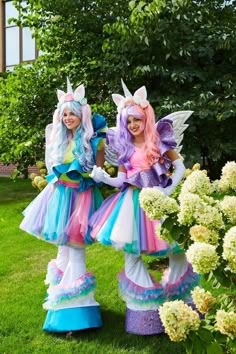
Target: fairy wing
x=48, y=132
x=179, y=125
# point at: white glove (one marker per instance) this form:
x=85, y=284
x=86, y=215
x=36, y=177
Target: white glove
x=99, y=175
x=176, y=177
x=166, y=191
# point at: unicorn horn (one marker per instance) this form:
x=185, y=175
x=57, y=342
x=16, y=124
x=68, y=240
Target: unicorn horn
x=69, y=87
x=125, y=89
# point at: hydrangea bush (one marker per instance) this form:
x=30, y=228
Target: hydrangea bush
x=38, y=180
x=201, y=217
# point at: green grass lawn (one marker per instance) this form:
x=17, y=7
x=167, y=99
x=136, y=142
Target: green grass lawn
x=23, y=263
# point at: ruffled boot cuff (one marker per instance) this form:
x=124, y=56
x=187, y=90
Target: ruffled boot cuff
x=181, y=289
x=54, y=274
x=67, y=295
x=72, y=307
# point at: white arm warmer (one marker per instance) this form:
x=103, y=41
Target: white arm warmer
x=115, y=181
x=178, y=174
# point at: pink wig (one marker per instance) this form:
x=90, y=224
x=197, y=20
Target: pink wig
x=124, y=144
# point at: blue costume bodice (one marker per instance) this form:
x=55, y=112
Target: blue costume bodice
x=71, y=170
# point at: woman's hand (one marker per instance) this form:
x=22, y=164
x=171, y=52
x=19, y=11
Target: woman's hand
x=167, y=190
x=98, y=174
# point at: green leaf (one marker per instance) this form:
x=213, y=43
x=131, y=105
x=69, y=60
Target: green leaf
x=205, y=335
x=146, y=41
x=175, y=232
x=214, y=348
x=188, y=344
x=198, y=345
x=222, y=278
x=168, y=223
x=132, y=4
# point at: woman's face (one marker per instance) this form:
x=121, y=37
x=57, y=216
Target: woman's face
x=70, y=120
x=135, y=126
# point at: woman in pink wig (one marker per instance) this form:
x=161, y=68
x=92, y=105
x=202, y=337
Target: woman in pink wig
x=145, y=154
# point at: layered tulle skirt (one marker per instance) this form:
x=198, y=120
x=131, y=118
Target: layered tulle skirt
x=122, y=223
x=59, y=214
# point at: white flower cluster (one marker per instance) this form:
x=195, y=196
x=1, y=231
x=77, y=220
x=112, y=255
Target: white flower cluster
x=226, y=323
x=203, y=257
x=178, y=319
x=205, y=215
x=210, y=201
x=199, y=233
x=228, y=207
x=215, y=186
x=156, y=204
x=196, y=166
x=198, y=183
x=189, y=204
x=228, y=177
x=210, y=217
x=229, y=248
x=187, y=172
x=193, y=209
x=202, y=299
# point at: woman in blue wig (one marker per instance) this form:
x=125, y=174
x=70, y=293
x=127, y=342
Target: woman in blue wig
x=60, y=213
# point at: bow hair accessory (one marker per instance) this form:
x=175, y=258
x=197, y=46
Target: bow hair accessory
x=77, y=95
x=139, y=97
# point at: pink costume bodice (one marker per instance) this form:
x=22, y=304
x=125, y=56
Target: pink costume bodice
x=138, y=162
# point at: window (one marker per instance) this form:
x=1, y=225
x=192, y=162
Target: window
x=19, y=46
x=28, y=45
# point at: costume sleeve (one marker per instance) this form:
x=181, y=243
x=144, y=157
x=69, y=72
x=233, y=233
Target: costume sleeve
x=100, y=130
x=166, y=135
x=111, y=137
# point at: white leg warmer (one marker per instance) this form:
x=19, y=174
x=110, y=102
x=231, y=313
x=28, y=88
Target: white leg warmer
x=75, y=267
x=179, y=279
x=62, y=257
x=177, y=267
x=137, y=288
x=136, y=271
x=56, y=267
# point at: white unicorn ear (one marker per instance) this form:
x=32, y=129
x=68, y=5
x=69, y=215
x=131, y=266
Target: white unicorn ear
x=141, y=93
x=80, y=91
x=117, y=98
x=60, y=93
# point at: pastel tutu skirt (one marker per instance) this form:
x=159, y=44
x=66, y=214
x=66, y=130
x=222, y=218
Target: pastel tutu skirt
x=122, y=223
x=59, y=214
